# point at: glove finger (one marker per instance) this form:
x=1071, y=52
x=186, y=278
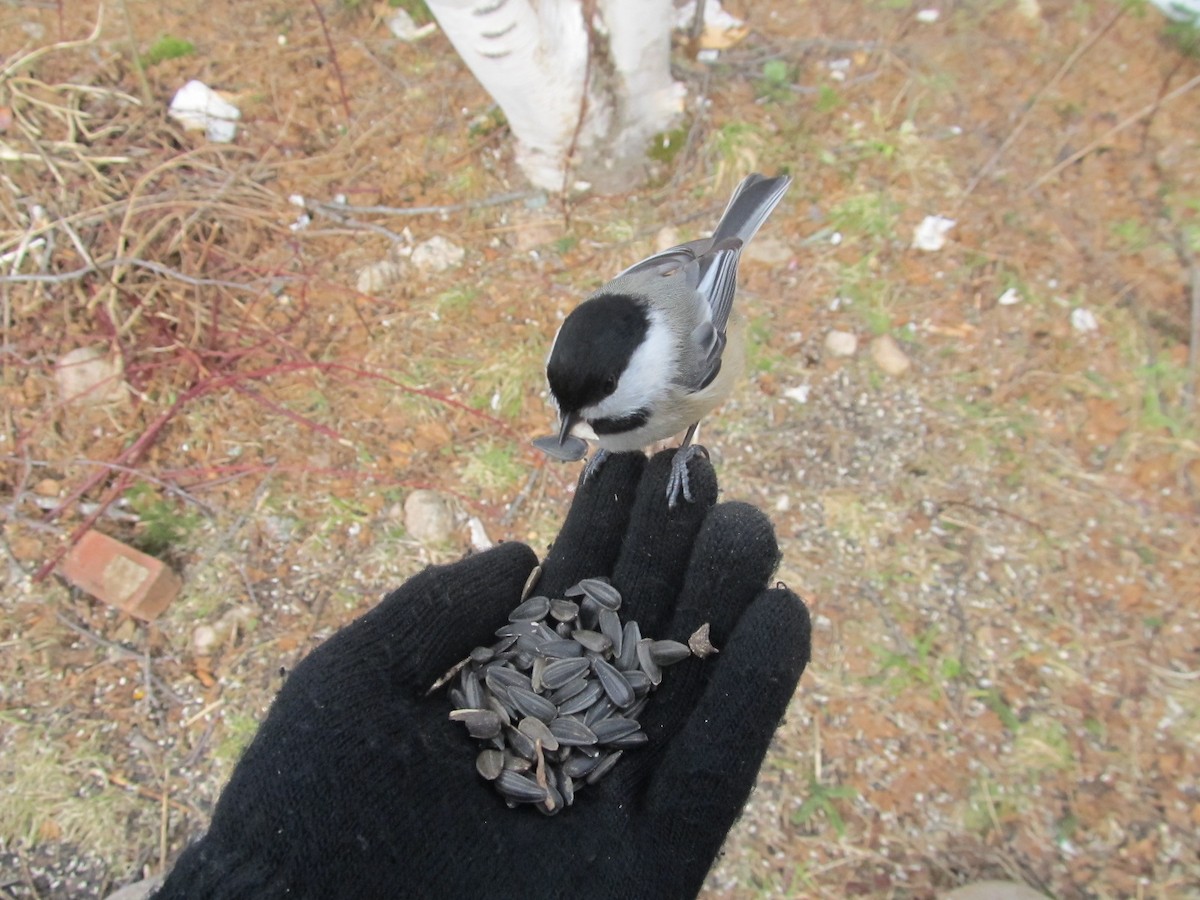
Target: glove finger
x=733, y=559
x=734, y=556
x=424, y=627
x=710, y=765
x=590, y=538
x=653, y=562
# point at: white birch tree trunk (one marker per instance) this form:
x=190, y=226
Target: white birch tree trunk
x=540, y=59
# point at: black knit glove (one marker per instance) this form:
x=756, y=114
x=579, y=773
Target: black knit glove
x=358, y=786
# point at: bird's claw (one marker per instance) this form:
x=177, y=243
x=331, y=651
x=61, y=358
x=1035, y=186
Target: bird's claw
x=679, y=484
x=594, y=464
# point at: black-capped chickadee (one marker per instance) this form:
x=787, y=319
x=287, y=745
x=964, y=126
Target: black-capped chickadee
x=647, y=355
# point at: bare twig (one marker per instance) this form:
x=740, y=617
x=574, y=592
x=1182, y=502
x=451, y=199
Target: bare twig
x=518, y=501
x=130, y=262
x=26, y=61
x=698, y=20
x=122, y=651
x=139, y=65
x=121, y=782
x=1033, y=101
x=594, y=44
x=333, y=60
x=1188, y=260
x=1194, y=341
x=167, y=486
x=1146, y=110
x=994, y=510
x=352, y=224
x=497, y=200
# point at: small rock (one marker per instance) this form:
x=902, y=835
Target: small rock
x=1030, y=9
x=429, y=517
x=125, y=632
x=376, y=276
x=930, y=235
x=533, y=229
x=437, y=255
x=994, y=890
x=841, y=343
x=928, y=16
x=88, y=376
x=47, y=487
x=888, y=355
x=769, y=250
x=204, y=640
x=139, y=890
x=279, y=529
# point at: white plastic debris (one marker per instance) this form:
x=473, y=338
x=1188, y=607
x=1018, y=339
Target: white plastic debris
x=479, y=536
x=930, y=235
x=199, y=108
x=928, y=16
x=1010, y=297
x=799, y=393
x=1084, y=320
x=714, y=16
x=401, y=24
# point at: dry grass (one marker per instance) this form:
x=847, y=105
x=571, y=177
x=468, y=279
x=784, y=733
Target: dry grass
x=999, y=548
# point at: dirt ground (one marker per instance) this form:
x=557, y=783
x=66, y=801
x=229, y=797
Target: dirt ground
x=999, y=544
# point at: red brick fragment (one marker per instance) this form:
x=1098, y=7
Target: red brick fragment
x=120, y=576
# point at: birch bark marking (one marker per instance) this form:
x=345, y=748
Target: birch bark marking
x=532, y=57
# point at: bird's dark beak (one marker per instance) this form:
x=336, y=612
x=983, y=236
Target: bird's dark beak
x=565, y=426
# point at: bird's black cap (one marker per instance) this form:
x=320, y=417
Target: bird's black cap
x=593, y=349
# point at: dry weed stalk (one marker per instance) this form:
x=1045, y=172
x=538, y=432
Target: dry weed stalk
x=149, y=249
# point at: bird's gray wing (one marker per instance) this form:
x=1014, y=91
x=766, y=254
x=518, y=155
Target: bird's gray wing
x=718, y=280
x=710, y=345
x=669, y=261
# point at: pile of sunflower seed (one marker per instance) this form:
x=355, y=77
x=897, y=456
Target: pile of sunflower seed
x=555, y=700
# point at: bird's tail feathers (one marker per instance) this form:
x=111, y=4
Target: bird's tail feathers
x=749, y=207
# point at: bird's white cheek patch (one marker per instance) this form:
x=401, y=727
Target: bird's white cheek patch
x=645, y=379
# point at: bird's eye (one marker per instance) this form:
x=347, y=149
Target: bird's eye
x=610, y=384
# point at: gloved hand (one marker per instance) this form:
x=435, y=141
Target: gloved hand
x=358, y=786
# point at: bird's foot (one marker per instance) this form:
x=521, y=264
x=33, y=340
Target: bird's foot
x=594, y=464
x=678, y=484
